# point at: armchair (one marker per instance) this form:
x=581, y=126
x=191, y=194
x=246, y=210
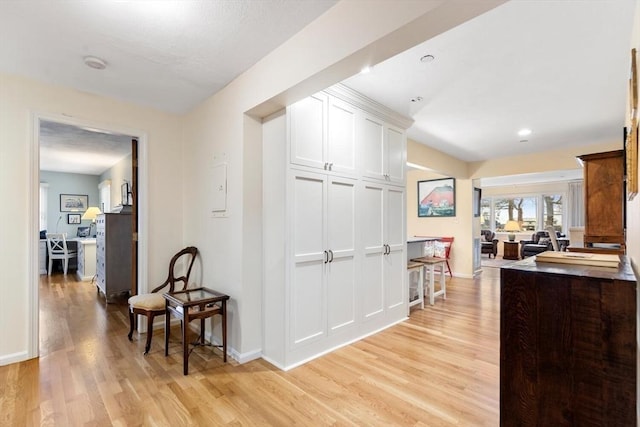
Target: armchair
x=540, y=242
x=488, y=243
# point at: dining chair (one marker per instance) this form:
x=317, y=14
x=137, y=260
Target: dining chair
x=153, y=304
x=447, y=242
x=57, y=249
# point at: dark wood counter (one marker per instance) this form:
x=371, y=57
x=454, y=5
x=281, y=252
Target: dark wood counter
x=567, y=344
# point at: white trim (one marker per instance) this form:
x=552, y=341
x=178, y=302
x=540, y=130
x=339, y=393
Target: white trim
x=34, y=214
x=8, y=359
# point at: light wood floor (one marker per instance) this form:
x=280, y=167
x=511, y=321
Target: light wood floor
x=439, y=368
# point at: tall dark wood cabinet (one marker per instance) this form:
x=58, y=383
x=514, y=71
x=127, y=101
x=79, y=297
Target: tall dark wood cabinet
x=113, y=253
x=604, y=199
x=567, y=345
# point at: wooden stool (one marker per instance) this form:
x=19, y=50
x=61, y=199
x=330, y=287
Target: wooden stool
x=430, y=264
x=416, y=267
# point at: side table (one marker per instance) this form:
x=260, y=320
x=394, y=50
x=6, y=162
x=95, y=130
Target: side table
x=191, y=304
x=511, y=250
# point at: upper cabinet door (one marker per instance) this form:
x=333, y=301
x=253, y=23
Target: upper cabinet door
x=395, y=153
x=372, y=147
x=341, y=143
x=308, y=131
x=383, y=151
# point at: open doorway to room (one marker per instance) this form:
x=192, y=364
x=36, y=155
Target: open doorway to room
x=83, y=172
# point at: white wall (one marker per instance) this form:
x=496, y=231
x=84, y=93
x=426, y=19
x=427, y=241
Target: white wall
x=118, y=175
x=330, y=49
x=67, y=183
x=20, y=99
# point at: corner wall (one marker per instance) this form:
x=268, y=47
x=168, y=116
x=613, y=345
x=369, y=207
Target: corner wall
x=21, y=100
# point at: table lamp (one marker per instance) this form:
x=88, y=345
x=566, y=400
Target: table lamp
x=91, y=214
x=512, y=226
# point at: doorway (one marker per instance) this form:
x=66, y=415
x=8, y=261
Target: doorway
x=104, y=138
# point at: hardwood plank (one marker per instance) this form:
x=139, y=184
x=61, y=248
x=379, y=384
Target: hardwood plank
x=439, y=368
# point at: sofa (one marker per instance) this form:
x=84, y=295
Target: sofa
x=539, y=242
x=488, y=243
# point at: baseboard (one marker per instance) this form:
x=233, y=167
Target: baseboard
x=8, y=359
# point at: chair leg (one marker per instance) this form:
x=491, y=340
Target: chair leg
x=50, y=266
x=66, y=265
x=449, y=268
x=149, y=332
x=131, y=321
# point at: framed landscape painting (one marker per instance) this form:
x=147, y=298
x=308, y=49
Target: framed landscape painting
x=74, y=202
x=437, y=197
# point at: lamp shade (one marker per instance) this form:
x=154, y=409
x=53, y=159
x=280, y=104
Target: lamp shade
x=91, y=213
x=512, y=225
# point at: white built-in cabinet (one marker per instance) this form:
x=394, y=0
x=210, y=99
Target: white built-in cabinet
x=335, y=233
x=384, y=255
x=323, y=273
x=317, y=145
x=385, y=157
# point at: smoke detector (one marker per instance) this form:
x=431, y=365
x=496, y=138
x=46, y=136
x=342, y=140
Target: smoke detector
x=95, y=62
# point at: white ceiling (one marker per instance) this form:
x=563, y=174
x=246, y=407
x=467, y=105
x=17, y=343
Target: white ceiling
x=73, y=149
x=557, y=67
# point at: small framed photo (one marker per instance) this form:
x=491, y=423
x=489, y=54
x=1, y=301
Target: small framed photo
x=73, y=218
x=74, y=202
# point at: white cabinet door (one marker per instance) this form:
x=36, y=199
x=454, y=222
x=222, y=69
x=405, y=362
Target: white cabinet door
x=308, y=131
x=372, y=147
x=341, y=247
x=383, y=150
x=395, y=154
x=395, y=261
x=372, y=231
x=341, y=142
x=307, y=303
x=384, y=264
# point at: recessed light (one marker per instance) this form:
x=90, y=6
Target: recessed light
x=524, y=132
x=95, y=62
x=427, y=58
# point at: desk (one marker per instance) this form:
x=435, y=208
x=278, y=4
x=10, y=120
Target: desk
x=86, y=257
x=191, y=304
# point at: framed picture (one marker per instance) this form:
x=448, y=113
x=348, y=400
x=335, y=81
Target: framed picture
x=633, y=87
x=73, y=218
x=74, y=202
x=631, y=154
x=125, y=194
x=477, y=197
x=437, y=197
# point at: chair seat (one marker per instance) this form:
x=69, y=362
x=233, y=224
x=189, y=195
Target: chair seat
x=153, y=301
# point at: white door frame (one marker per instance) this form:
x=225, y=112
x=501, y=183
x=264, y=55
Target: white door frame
x=143, y=203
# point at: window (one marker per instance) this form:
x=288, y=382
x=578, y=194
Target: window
x=44, y=199
x=552, y=211
x=533, y=212
x=521, y=209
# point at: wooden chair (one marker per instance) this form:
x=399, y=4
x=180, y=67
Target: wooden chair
x=57, y=249
x=448, y=241
x=153, y=304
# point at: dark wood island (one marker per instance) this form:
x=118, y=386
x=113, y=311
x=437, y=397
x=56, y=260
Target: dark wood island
x=567, y=344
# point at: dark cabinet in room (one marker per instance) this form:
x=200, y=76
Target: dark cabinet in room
x=567, y=344
x=604, y=200
x=113, y=253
